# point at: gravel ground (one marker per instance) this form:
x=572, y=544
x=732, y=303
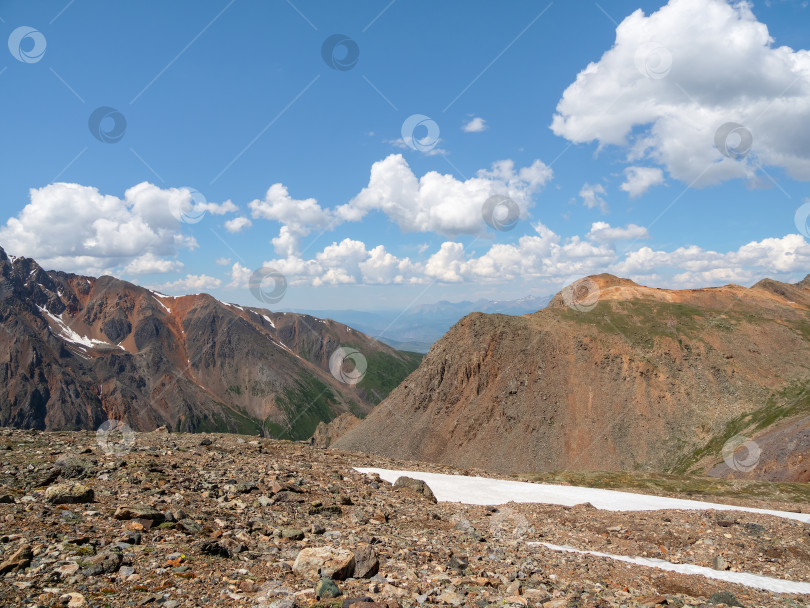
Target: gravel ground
x=220, y=520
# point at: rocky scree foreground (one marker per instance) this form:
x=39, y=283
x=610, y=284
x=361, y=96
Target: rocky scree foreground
x=177, y=520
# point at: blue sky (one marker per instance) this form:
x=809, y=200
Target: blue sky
x=302, y=168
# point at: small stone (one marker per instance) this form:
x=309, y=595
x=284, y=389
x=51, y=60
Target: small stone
x=125, y=571
x=366, y=562
x=64, y=493
x=326, y=589
x=19, y=560
x=139, y=512
x=72, y=600
x=292, y=534
x=327, y=562
x=725, y=597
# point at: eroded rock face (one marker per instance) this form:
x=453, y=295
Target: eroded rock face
x=645, y=378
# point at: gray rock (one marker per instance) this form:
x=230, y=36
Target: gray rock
x=66, y=493
x=366, y=562
x=292, y=534
x=103, y=563
x=417, y=485
x=139, y=512
x=725, y=597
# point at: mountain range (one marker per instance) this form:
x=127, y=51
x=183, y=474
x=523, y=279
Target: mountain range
x=626, y=378
x=76, y=351
x=418, y=327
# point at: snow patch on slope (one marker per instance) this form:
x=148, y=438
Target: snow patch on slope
x=68, y=335
x=157, y=299
x=486, y=491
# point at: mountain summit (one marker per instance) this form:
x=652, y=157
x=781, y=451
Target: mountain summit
x=76, y=351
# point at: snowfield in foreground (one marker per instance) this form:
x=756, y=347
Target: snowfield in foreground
x=486, y=491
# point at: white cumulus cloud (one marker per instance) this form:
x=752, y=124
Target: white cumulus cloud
x=637, y=180
x=192, y=283
x=593, y=195
x=438, y=202
x=674, y=78
x=299, y=217
x=76, y=228
x=475, y=125
x=238, y=224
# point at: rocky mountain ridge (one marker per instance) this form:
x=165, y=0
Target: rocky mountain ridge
x=612, y=375
x=76, y=351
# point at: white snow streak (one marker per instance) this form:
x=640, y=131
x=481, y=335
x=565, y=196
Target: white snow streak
x=485, y=491
x=166, y=308
x=776, y=585
x=68, y=335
